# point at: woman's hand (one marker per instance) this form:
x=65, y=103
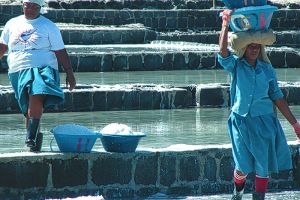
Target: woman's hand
x=64, y=60
x=287, y=113
x=226, y=15
x=296, y=127
x=70, y=80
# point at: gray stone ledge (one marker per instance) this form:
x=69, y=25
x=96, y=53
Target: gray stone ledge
x=175, y=170
x=139, y=34
x=159, y=55
x=102, y=98
x=125, y=4
x=166, y=20
x=144, y=4
x=159, y=20
x=218, y=95
x=142, y=97
x=283, y=38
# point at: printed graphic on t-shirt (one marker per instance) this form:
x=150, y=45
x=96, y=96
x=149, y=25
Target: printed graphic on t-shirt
x=26, y=38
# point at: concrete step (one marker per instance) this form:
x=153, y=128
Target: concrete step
x=139, y=34
x=142, y=97
x=132, y=4
x=176, y=78
x=124, y=4
x=146, y=4
x=110, y=97
x=163, y=55
x=150, y=4
x=178, y=172
x=154, y=4
x=166, y=20
x=99, y=34
x=160, y=55
x=283, y=38
x=159, y=20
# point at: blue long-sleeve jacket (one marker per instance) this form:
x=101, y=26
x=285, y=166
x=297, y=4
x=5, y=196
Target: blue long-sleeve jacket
x=252, y=89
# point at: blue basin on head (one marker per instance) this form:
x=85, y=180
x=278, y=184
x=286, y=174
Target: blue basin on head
x=252, y=18
x=231, y=4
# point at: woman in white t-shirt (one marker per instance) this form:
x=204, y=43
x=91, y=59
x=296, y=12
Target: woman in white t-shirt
x=35, y=49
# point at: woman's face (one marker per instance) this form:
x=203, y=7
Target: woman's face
x=31, y=10
x=252, y=52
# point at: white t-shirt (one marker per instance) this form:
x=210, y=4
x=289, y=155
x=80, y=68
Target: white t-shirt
x=31, y=43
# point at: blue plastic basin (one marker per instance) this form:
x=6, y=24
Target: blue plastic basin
x=252, y=18
x=231, y=4
x=120, y=143
x=74, y=138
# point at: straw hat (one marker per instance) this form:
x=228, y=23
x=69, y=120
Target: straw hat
x=240, y=40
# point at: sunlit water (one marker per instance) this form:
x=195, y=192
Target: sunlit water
x=177, y=77
x=162, y=127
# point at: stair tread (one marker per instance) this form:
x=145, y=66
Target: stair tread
x=138, y=26
x=187, y=77
x=86, y=27
x=140, y=4
x=155, y=47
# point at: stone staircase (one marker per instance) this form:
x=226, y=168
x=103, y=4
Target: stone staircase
x=172, y=35
x=151, y=35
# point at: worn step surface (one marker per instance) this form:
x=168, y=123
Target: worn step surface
x=105, y=34
x=161, y=20
x=146, y=4
x=289, y=38
x=124, y=4
x=139, y=34
x=160, y=55
x=175, y=78
x=110, y=97
x=142, y=97
x=167, y=20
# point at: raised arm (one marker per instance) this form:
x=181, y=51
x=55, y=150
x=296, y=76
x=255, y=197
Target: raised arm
x=64, y=60
x=223, y=39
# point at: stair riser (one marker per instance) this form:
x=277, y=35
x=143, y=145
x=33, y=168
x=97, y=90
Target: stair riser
x=163, y=61
x=108, y=37
x=145, y=4
x=133, y=4
x=108, y=100
x=93, y=99
x=160, y=20
x=112, y=36
x=282, y=39
x=178, y=61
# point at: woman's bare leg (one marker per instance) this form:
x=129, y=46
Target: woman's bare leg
x=34, y=114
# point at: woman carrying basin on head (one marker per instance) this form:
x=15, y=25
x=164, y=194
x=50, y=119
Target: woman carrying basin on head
x=35, y=48
x=258, y=141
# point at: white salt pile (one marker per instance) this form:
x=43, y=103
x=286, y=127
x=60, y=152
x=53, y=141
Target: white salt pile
x=116, y=128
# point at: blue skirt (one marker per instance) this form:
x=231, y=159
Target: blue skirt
x=33, y=81
x=258, y=144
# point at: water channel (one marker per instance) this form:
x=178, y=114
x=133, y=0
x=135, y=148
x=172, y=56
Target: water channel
x=195, y=126
x=176, y=77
